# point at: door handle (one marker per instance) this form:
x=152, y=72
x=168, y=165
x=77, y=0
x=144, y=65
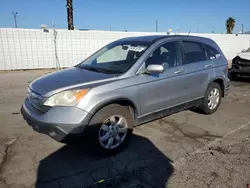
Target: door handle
x=179, y=71
x=208, y=65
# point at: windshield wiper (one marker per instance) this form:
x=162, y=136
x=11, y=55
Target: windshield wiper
x=111, y=71
x=96, y=69
x=90, y=68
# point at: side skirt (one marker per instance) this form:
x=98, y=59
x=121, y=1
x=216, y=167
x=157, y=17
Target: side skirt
x=166, y=112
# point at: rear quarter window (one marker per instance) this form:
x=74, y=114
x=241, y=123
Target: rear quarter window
x=212, y=53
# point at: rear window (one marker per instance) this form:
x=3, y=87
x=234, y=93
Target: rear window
x=194, y=52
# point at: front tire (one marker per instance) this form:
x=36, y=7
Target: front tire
x=212, y=99
x=110, y=129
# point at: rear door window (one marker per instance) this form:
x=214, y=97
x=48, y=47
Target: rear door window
x=194, y=52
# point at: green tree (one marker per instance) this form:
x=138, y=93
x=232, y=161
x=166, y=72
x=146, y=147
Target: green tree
x=230, y=23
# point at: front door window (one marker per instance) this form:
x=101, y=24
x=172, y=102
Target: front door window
x=168, y=55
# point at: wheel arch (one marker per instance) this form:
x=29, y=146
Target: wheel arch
x=219, y=81
x=120, y=101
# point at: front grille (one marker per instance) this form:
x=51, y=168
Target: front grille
x=41, y=108
x=36, y=101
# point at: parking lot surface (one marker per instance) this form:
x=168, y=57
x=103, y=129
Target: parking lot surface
x=186, y=149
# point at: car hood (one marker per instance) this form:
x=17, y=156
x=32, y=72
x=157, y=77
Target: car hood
x=67, y=79
x=244, y=55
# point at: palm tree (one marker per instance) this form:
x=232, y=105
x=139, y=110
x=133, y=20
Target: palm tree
x=70, y=14
x=230, y=23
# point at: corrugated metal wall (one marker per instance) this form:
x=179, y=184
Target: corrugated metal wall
x=35, y=49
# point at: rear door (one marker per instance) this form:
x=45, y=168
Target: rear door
x=199, y=68
x=219, y=61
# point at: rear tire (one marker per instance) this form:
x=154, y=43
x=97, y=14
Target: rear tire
x=212, y=99
x=108, y=125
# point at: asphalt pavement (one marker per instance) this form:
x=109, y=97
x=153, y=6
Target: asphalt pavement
x=187, y=149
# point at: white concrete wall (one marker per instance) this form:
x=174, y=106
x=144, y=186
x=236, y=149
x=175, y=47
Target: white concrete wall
x=34, y=48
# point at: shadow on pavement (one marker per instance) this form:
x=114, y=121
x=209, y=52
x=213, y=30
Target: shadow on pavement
x=139, y=165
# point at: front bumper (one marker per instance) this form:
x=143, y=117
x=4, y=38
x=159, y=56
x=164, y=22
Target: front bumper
x=59, y=122
x=241, y=71
x=240, y=66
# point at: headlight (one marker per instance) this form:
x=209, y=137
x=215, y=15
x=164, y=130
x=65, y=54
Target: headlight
x=66, y=98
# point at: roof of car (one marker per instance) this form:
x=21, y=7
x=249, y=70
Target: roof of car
x=147, y=38
x=153, y=38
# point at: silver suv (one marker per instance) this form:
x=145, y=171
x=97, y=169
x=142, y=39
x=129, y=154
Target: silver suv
x=126, y=83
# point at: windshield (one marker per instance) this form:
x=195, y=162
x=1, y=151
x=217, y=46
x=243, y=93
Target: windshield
x=115, y=58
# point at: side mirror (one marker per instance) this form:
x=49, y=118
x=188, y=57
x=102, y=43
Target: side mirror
x=154, y=68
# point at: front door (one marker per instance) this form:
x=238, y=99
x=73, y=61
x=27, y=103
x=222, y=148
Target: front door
x=163, y=90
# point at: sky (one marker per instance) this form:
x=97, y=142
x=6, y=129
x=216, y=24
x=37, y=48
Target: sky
x=202, y=16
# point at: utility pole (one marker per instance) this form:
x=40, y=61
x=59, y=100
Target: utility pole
x=70, y=15
x=242, y=28
x=14, y=14
x=110, y=27
x=177, y=29
x=156, y=26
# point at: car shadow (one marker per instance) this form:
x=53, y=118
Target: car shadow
x=139, y=165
